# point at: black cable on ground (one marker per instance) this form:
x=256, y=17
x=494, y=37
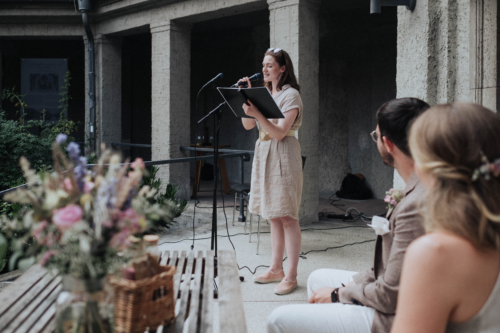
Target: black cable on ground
x=302, y=254
x=348, y=212
x=263, y=232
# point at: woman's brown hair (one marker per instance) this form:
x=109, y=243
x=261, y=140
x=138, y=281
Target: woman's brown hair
x=448, y=142
x=288, y=76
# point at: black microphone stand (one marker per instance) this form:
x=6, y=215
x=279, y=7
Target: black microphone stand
x=217, y=119
x=217, y=112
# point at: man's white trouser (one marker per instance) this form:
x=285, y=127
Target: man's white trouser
x=312, y=318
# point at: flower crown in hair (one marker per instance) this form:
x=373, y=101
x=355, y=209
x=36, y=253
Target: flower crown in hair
x=487, y=169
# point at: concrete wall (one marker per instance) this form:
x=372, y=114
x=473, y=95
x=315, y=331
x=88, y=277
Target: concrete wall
x=484, y=56
x=358, y=71
x=434, y=53
x=171, y=72
x=294, y=27
x=108, y=90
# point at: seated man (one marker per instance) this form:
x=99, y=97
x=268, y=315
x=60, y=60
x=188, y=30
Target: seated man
x=368, y=301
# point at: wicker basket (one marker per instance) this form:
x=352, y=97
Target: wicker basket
x=144, y=303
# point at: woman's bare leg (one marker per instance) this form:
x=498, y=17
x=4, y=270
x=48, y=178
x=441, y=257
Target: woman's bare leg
x=275, y=270
x=293, y=240
x=277, y=245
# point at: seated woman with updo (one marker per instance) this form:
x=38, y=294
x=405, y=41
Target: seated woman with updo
x=450, y=280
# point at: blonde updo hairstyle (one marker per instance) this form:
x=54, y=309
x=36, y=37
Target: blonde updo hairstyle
x=447, y=142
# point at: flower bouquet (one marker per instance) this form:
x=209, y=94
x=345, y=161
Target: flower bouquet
x=81, y=223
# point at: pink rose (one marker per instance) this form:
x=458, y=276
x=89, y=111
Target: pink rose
x=387, y=198
x=65, y=217
x=38, y=231
x=138, y=163
x=46, y=256
x=394, y=202
x=129, y=217
x=107, y=224
x=67, y=184
x=120, y=240
x=129, y=213
x=88, y=187
x=51, y=239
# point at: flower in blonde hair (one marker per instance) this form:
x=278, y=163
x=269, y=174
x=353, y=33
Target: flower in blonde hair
x=487, y=169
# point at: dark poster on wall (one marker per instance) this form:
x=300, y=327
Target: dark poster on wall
x=41, y=81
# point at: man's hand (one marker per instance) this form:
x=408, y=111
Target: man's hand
x=322, y=295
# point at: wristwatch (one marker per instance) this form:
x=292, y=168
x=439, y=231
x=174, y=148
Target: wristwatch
x=335, y=295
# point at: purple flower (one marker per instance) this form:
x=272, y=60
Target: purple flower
x=74, y=151
x=61, y=138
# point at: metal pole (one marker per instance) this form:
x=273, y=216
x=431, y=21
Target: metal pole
x=242, y=217
x=84, y=6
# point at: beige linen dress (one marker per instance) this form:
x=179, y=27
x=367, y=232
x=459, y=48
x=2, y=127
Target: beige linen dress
x=276, y=185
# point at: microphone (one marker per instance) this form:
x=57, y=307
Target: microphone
x=252, y=78
x=219, y=76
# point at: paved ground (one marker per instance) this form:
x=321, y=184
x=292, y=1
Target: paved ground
x=259, y=300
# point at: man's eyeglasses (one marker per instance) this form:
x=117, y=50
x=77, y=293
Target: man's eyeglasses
x=273, y=49
x=374, y=136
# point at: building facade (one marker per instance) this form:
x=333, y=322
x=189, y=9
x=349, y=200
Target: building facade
x=152, y=57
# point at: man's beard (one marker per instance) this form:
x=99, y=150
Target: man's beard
x=387, y=158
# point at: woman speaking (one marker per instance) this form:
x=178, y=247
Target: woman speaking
x=276, y=185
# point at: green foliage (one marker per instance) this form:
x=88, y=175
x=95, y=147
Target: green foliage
x=32, y=139
x=4, y=247
x=65, y=97
x=17, y=139
x=168, y=197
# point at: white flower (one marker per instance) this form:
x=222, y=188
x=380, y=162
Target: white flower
x=380, y=225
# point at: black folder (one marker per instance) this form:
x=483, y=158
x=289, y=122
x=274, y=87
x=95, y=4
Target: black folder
x=260, y=97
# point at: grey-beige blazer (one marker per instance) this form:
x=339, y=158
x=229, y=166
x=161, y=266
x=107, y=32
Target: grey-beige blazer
x=378, y=287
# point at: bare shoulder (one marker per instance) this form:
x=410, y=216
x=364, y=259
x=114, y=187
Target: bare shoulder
x=438, y=250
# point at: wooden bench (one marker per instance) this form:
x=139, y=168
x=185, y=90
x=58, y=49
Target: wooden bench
x=28, y=304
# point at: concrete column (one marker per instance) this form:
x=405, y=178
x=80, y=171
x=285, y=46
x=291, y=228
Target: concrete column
x=484, y=55
x=171, y=62
x=1, y=73
x=87, y=98
x=108, y=64
x=433, y=53
x=294, y=27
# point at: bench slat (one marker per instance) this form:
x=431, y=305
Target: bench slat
x=11, y=275
x=18, y=289
x=32, y=289
x=27, y=312
x=165, y=257
x=206, y=316
x=192, y=320
x=181, y=316
x=42, y=314
x=231, y=312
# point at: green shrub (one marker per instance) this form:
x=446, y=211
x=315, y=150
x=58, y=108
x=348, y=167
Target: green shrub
x=32, y=139
x=168, y=197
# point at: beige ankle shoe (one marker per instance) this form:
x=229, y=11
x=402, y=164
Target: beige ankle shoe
x=269, y=278
x=285, y=287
